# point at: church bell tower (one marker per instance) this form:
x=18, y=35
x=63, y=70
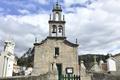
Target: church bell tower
x=57, y=22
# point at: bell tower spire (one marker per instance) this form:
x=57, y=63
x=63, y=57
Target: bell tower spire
x=56, y=22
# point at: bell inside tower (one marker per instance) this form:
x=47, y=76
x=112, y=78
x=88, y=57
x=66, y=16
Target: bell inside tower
x=54, y=29
x=60, y=29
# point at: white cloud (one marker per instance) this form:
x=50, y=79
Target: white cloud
x=111, y=6
x=68, y=3
x=96, y=27
x=23, y=11
x=71, y=2
x=24, y=29
x=42, y=1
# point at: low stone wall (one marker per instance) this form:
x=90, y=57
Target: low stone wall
x=101, y=76
x=94, y=76
x=25, y=78
x=41, y=77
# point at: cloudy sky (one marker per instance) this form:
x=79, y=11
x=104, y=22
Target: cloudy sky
x=95, y=23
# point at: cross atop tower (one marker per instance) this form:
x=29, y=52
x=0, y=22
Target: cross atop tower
x=57, y=22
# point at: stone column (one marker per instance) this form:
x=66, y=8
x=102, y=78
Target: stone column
x=53, y=74
x=82, y=69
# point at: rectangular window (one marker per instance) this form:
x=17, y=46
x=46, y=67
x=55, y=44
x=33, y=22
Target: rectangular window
x=56, y=51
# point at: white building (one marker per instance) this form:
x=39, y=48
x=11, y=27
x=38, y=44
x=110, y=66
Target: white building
x=111, y=64
x=7, y=59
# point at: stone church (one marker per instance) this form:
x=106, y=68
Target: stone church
x=56, y=49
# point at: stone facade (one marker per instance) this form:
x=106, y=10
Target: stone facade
x=45, y=55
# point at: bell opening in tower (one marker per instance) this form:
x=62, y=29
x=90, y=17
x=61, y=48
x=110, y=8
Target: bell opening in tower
x=57, y=17
x=56, y=23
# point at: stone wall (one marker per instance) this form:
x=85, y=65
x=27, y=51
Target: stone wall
x=50, y=76
x=101, y=76
x=47, y=76
x=25, y=78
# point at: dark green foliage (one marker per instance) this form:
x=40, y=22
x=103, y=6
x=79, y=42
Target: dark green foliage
x=27, y=59
x=89, y=59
